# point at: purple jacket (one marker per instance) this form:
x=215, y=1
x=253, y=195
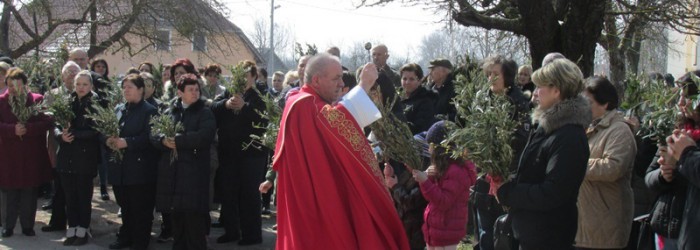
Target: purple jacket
x=25, y=161
x=446, y=215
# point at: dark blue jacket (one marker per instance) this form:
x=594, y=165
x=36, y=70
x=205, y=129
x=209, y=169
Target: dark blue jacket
x=139, y=163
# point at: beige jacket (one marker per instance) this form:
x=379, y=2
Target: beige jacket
x=605, y=200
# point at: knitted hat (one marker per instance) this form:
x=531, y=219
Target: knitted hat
x=437, y=133
x=421, y=144
x=7, y=60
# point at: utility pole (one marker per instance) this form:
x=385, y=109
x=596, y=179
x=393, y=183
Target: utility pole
x=271, y=60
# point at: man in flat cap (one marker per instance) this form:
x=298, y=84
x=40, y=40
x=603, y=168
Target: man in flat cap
x=441, y=82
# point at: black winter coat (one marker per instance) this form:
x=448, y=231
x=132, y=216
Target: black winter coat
x=183, y=186
x=443, y=103
x=522, y=115
x=643, y=197
x=235, y=129
x=410, y=205
x=161, y=106
x=675, y=191
x=542, y=196
x=690, y=169
x=82, y=155
x=138, y=165
x=419, y=110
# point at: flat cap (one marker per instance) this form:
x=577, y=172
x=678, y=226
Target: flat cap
x=440, y=62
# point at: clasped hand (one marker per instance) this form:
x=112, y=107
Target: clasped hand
x=116, y=143
x=169, y=143
x=667, y=164
x=20, y=129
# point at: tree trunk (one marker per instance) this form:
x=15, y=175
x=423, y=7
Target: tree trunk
x=633, y=54
x=618, y=70
x=580, y=32
x=93, y=22
x=576, y=37
x=5, y=30
x=541, y=29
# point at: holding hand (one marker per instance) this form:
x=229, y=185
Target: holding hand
x=265, y=186
x=120, y=143
x=20, y=129
x=111, y=143
x=390, y=179
x=420, y=176
x=368, y=76
x=236, y=102
x=667, y=164
x=431, y=171
x=169, y=143
x=677, y=142
x=67, y=136
x=116, y=143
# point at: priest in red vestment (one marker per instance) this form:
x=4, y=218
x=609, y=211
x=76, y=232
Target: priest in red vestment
x=331, y=194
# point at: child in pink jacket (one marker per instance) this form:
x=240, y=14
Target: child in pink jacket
x=445, y=185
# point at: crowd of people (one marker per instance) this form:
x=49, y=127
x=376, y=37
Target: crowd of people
x=581, y=173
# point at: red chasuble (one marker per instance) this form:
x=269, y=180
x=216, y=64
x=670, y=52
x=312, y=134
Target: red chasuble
x=331, y=193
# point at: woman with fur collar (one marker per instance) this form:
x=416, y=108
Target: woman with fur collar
x=542, y=195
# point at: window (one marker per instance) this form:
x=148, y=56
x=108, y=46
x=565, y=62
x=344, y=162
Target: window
x=199, y=42
x=163, y=40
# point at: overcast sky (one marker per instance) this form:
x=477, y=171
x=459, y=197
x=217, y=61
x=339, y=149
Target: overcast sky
x=338, y=22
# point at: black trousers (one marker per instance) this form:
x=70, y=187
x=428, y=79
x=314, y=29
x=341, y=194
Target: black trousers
x=189, y=230
x=78, y=192
x=58, y=201
x=137, y=203
x=167, y=225
x=267, y=197
x=240, y=197
x=20, y=202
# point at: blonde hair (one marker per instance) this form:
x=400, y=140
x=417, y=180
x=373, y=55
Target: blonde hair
x=4, y=67
x=525, y=67
x=83, y=73
x=288, y=77
x=562, y=74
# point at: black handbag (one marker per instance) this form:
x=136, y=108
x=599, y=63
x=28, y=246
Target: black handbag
x=503, y=236
x=667, y=214
x=646, y=240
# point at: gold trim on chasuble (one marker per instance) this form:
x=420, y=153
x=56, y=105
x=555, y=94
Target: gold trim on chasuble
x=358, y=142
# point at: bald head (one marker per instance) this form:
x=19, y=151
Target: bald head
x=301, y=67
x=317, y=64
x=80, y=57
x=334, y=51
x=325, y=75
x=551, y=57
x=380, y=54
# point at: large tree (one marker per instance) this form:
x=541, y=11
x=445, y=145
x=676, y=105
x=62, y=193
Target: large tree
x=630, y=22
x=566, y=26
x=573, y=27
x=43, y=25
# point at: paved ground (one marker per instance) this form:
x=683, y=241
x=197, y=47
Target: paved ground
x=105, y=224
